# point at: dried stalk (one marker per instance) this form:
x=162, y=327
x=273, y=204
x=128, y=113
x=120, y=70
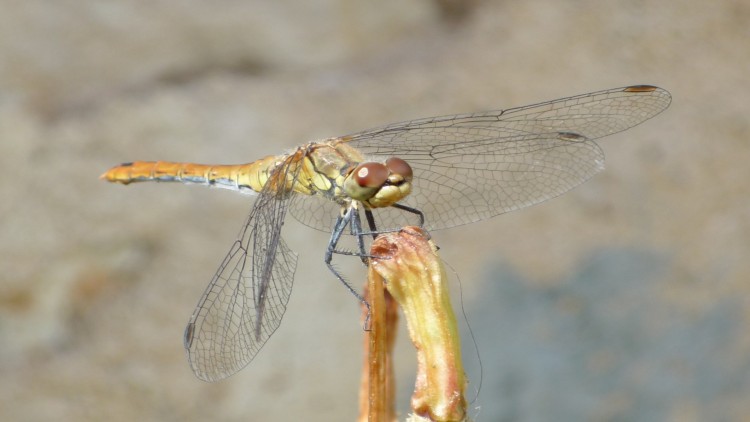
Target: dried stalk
x=415, y=277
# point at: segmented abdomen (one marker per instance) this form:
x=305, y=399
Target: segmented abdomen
x=238, y=177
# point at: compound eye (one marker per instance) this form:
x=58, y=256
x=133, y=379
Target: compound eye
x=400, y=167
x=370, y=175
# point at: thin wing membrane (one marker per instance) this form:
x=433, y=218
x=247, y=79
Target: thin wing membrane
x=246, y=299
x=469, y=167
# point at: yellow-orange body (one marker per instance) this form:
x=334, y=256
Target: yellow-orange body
x=325, y=165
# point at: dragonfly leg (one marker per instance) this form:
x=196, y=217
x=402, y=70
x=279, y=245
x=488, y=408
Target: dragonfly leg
x=371, y=223
x=419, y=213
x=357, y=232
x=338, y=229
x=374, y=231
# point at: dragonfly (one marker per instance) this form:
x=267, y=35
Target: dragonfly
x=437, y=172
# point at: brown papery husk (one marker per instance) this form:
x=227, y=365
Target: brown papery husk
x=414, y=275
x=377, y=386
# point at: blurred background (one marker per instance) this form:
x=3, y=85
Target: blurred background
x=626, y=299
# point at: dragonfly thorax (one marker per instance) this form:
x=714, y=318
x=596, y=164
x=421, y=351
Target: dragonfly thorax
x=379, y=184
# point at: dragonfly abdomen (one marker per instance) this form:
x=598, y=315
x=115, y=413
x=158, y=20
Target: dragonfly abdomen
x=239, y=177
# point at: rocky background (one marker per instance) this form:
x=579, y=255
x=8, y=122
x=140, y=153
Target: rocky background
x=627, y=299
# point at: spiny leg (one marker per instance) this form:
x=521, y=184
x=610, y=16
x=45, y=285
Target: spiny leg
x=338, y=229
x=356, y=226
x=419, y=213
x=371, y=223
x=352, y=219
x=374, y=231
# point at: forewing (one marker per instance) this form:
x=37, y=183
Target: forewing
x=470, y=167
x=246, y=299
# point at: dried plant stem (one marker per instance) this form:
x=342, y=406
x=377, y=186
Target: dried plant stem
x=377, y=387
x=415, y=276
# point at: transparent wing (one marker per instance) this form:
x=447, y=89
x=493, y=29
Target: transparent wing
x=315, y=211
x=246, y=299
x=469, y=167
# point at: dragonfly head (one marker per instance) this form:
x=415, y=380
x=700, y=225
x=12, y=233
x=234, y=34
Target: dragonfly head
x=379, y=184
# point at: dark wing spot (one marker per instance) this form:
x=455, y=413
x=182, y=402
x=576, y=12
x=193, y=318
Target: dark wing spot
x=570, y=136
x=640, y=88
